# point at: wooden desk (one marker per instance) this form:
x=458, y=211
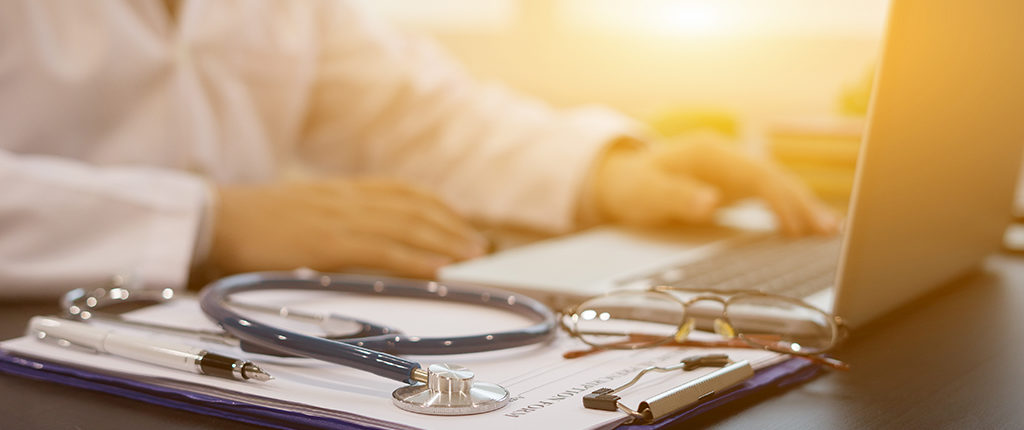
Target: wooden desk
x=950, y=360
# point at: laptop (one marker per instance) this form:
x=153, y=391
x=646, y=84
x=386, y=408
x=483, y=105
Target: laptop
x=932, y=194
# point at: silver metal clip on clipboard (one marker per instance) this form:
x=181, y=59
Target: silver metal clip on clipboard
x=679, y=398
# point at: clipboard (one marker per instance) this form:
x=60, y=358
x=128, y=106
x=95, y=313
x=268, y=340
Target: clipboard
x=561, y=386
x=284, y=415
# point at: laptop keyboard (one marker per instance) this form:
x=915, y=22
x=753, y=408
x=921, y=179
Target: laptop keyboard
x=795, y=267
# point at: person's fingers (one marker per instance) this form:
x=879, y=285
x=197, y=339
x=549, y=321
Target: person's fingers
x=729, y=170
x=685, y=199
x=424, y=206
x=357, y=250
x=635, y=190
x=451, y=226
x=402, y=222
x=738, y=175
x=806, y=212
x=402, y=214
x=819, y=218
x=828, y=220
x=785, y=210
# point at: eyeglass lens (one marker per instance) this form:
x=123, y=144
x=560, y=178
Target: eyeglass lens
x=780, y=324
x=633, y=320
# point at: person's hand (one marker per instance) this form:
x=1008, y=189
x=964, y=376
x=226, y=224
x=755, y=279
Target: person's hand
x=338, y=224
x=687, y=181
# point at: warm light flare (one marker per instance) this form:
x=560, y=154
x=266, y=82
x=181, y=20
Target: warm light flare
x=696, y=18
x=679, y=17
x=659, y=17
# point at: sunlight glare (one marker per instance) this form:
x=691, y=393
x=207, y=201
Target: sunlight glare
x=684, y=17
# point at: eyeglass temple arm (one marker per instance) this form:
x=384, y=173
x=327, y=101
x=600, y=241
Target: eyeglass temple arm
x=724, y=343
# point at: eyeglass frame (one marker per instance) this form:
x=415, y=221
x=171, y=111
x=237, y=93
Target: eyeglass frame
x=836, y=323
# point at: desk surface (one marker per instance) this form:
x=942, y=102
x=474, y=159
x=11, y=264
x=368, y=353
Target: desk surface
x=949, y=360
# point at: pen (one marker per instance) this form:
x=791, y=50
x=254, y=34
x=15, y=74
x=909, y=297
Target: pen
x=67, y=333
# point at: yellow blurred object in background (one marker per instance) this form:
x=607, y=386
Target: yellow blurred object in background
x=821, y=151
x=677, y=122
x=855, y=97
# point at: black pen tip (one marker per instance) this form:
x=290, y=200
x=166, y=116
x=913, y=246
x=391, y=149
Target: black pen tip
x=252, y=371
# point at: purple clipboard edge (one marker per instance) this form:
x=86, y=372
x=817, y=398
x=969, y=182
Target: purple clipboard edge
x=779, y=376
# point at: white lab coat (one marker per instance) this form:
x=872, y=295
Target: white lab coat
x=112, y=116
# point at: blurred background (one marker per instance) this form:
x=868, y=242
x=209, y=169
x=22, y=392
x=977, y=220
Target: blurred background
x=787, y=77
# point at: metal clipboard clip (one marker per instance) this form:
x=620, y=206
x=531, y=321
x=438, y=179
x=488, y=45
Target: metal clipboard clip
x=679, y=398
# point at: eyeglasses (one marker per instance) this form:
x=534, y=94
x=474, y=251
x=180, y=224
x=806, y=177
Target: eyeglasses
x=632, y=319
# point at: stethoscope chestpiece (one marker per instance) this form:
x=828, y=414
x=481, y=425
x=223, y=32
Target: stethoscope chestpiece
x=450, y=390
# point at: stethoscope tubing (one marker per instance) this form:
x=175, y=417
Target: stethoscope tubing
x=372, y=354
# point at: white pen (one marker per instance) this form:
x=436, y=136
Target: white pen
x=176, y=356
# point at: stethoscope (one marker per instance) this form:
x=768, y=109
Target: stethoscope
x=440, y=389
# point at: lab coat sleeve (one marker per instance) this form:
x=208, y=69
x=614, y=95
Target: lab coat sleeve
x=66, y=224
x=388, y=104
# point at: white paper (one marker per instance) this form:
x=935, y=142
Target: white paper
x=546, y=389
